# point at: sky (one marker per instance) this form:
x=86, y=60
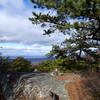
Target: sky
x=18, y=36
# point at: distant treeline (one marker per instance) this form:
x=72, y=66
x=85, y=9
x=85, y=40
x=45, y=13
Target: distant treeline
x=64, y=65
x=18, y=64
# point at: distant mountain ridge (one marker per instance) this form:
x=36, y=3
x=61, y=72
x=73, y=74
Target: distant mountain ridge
x=34, y=59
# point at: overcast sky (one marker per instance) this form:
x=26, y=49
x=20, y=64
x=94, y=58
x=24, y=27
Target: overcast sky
x=18, y=37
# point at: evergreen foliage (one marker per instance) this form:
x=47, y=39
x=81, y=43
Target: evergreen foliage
x=88, y=11
x=4, y=63
x=18, y=64
x=65, y=65
x=21, y=64
x=79, y=19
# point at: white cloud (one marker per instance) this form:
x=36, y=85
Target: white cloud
x=16, y=28
x=13, y=6
x=28, y=50
x=19, y=29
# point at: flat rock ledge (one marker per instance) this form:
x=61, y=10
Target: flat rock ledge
x=31, y=86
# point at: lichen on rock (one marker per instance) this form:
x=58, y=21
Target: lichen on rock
x=31, y=86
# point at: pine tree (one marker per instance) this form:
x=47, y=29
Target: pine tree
x=80, y=19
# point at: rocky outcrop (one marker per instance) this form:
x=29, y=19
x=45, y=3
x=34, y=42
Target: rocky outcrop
x=1, y=97
x=31, y=86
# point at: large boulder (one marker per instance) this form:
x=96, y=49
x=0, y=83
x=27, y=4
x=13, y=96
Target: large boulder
x=31, y=86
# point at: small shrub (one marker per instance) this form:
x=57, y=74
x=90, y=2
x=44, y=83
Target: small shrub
x=64, y=65
x=21, y=64
x=4, y=63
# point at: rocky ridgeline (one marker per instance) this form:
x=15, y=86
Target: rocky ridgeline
x=31, y=86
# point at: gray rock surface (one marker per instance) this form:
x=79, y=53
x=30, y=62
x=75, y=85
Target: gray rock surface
x=31, y=86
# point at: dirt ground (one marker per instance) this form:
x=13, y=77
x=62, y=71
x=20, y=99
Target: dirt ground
x=85, y=86
x=78, y=86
